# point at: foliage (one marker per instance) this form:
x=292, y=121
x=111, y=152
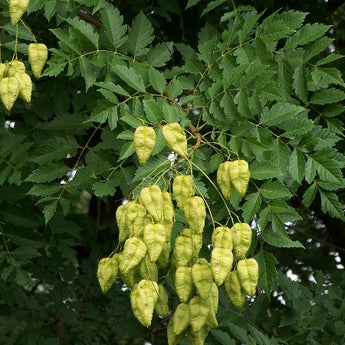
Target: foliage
x=258, y=86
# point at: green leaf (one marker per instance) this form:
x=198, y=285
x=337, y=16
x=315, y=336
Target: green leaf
x=300, y=83
x=212, y=5
x=297, y=165
x=49, y=211
x=329, y=75
x=140, y=35
x=192, y=3
x=263, y=170
x=22, y=277
x=88, y=71
x=130, y=77
x=327, y=96
x=113, y=25
x=267, y=273
x=153, y=112
x=127, y=151
x=157, y=80
x=101, y=189
x=160, y=54
x=222, y=337
x=309, y=195
x=331, y=205
x=298, y=126
x=48, y=172
x=43, y=190
x=251, y=206
x=274, y=190
x=102, y=112
x=280, y=112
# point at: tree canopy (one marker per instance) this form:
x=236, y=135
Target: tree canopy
x=151, y=127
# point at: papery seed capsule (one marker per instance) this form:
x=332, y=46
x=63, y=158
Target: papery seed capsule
x=144, y=142
x=175, y=138
x=234, y=290
x=198, y=338
x=133, y=252
x=38, y=55
x=148, y=269
x=15, y=66
x=121, y=222
x=168, y=214
x=154, y=238
x=183, y=250
x=3, y=68
x=181, y=318
x=248, y=275
x=221, y=237
x=135, y=218
x=195, y=213
x=173, y=338
x=161, y=306
x=152, y=199
x=9, y=91
x=25, y=86
x=221, y=264
x=183, y=188
x=163, y=259
x=17, y=9
x=199, y=309
x=202, y=277
x=211, y=320
x=197, y=245
x=184, y=283
x=239, y=175
x=241, y=239
x=107, y=272
x=214, y=297
x=224, y=181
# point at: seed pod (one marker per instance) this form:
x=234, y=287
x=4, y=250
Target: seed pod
x=163, y=259
x=234, y=290
x=107, y=272
x=17, y=9
x=199, y=309
x=15, y=66
x=152, y=199
x=144, y=142
x=181, y=318
x=241, y=239
x=211, y=320
x=202, y=277
x=214, y=297
x=183, y=283
x=135, y=216
x=133, y=252
x=25, y=86
x=154, y=238
x=248, y=274
x=221, y=264
x=148, y=269
x=183, y=188
x=121, y=222
x=3, y=68
x=239, y=175
x=161, y=306
x=195, y=213
x=132, y=277
x=143, y=299
x=168, y=214
x=175, y=138
x=183, y=250
x=221, y=237
x=9, y=90
x=223, y=179
x=173, y=338
x=38, y=55
x=198, y=338
x=197, y=245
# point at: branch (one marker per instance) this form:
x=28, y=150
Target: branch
x=82, y=15
x=197, y=136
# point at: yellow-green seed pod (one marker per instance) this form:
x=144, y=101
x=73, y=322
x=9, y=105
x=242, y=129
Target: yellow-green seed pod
x=154, y=238
x=17, y=9
x=202, y=277
x=199, y=309
x=248, y=275
x=214, y=297
x=107, y=272
x=175, y=138
x=221, y=264
x=173, y=338
x=9, y=91
x=15, y=66
x=198, y=338
x=221, y=237
x=234, y=290
x=148, y=269
x=152, y=199
x=197, y=245
x=25, y=86
x=135, y=218
x=162, y=306
x=181, y=318
x=184, y=283
x=38, y=55
x=168, y=214
x=183, y=250
x=195, y=213
x=132, y=277
x=144, y=142
x=121, y=222
x=211, y=320
x=224, y=181
x=183, y=188
x=163, y=259
x=3, y=68
x=241, y=234
x=133, y=252
x=143, y=299
x=239, y=175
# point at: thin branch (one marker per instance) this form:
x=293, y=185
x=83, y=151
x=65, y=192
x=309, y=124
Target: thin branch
x=82, y=15
x=197, y=136
x=47, y=324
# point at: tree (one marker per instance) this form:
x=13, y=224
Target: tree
x=243, y=85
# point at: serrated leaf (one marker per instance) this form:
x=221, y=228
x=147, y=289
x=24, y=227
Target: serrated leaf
x=22, y=277
x=140, y=35
x=160, y=54
x=49, y=211
x=127, y=151
x=88, y=71
x=329, y=75
x=113, y=25
x=251, y=206
x=280, y=112
x=130, y=77
x=43, y=190
x=327, y=96
x=157, y=80
x=274, y=190
x=281, y=155
x=222, y=337
x=102, y=112
x=331, y=205
x=267, y=272
x=300, y=83
x=297, y=126
x=329, y=58
x=101, y=189
x=48, y=172
x=309, y=195
x=212, y=5
x=191, y=3
x=297, y=165
x=157, y=165
x=263, y=170
x=153, y=112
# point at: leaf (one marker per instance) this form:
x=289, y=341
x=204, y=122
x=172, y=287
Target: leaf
x=309, y=195
x=263, y=170
x=48, y=172
x=49, y=211
x=297, y=165
x=267, y=272
x=43, y=190
x=127, y=151
x=22, y=277
x=212, y=5
x=327, y=96
x=102, y=112
x=300, y=83
x=88, y=71
x=274, y=190
x=329, y=75
x=140, y=35
x=113, y=25
x=222, y=337
x=280, y=112
x=157, y=80
x=251, y=206
x=191, y=3
x=331, y=205
x=130, y=77
x=104, y=188
x=152, y=110
x=160, y=54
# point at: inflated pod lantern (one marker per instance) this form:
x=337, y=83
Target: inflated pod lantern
x=107, y=272
x=162, y=306
x=175, y=138
x=248, y=274
x=181, y=318
x=152, y=199
x=144, y=140
x=184, y=283
x=199, y=309
x=234, y=289
x=9, y=91
x=239, y=175
x=133, y=252
x=241, y=239
x=154, y=238
x=183, y=188
x=202, y=277
x=221, y=264
x=195, y=213
x=38, y=55
x=17, y=9
x=221, y=237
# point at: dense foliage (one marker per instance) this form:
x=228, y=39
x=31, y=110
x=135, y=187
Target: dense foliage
x=262, y=86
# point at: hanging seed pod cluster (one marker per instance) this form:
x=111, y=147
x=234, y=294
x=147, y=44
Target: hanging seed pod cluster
x=145, y=233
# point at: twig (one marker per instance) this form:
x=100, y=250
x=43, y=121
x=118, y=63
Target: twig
x=197, y=137
x=47, y=324
x=82, y=15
